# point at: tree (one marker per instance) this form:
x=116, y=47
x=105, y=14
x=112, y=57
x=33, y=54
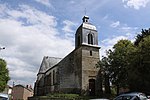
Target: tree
x=115, y=65
x=144, y=33
x=128, y=64
x=104, y=65
x=4, y=75
x=141, y=67
x=120, y=63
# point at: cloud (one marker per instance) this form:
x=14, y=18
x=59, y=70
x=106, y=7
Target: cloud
x=72, y=2
x=68, y=28
x=108, y=43
x=114, y=40
x=44, y=2
x=136, y=4
x=115, y=24
x=128, y=29
x=29, y=34
x=32, y=16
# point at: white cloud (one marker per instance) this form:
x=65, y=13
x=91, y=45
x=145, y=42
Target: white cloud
x=129, y=33
x=32, y=16
x=114, y=40
x=72, y=2
x=44, y=2
x=128, y=29
x=29, y=34
x=108, y=43
x=68, y=28
x=115, y=24
x=136, y=4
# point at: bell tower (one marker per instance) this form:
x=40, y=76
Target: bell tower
x=86, y=43
x=86, y=34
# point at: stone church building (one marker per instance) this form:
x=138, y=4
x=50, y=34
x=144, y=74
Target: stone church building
x=77, y=72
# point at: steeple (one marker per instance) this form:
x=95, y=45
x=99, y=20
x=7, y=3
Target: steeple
x=86, y=34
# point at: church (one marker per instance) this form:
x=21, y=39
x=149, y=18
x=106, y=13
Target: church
x=77, y=72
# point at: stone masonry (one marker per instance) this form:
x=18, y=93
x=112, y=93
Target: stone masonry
x=77, y=72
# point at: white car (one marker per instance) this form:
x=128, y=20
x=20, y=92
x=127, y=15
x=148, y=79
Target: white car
x=4, y=96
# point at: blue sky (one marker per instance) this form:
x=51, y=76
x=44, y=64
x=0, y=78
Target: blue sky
x=31, y=29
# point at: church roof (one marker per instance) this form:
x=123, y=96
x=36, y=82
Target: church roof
x=47, y=63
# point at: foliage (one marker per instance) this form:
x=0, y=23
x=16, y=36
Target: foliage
x=120, y=62
x=141, y=36
x=4, y=75
x=105, y=71
x=141, y=67
x=66, y=96
x=128, y=64
x=115, y=66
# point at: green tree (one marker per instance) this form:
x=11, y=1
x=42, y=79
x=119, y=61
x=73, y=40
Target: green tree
x=141, y=67
x=128, y=64
x=115, y=66
x=105, y=71
x=144, y=33
x=4, y=75
x=121, y=58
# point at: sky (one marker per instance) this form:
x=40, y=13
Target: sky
x=32, y=29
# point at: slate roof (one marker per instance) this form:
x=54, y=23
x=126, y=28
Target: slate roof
x=47, y=63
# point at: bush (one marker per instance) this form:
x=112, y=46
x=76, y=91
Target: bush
x=66, y=96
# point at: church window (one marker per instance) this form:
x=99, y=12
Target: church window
x=50, y=79
x=90, y=53
x=57, y=77
x=53, y=77
x=90, y=39
x=45, y=82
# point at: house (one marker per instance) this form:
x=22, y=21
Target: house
x=21, y=92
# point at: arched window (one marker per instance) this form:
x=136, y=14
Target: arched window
x=90, y=38
x=50, y=79
x=53, y=77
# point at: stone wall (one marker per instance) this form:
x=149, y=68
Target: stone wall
x=70, y=72
x=90, y=57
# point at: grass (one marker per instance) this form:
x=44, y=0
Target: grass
x=63, y=96
x=67, y=96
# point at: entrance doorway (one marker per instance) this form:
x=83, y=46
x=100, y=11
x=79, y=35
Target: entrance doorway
x=92, y=87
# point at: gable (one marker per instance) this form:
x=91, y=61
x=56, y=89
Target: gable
x=47, y=63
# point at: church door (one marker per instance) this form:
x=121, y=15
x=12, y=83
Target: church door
x=92, y=87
